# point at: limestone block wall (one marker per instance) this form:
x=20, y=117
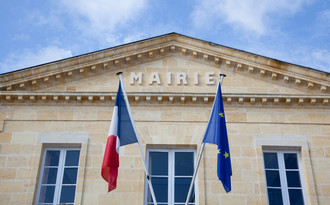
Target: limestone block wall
x=26, y=130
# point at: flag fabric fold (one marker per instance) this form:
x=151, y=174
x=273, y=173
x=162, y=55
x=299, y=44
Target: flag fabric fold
x=121, y=133
x=216, y=133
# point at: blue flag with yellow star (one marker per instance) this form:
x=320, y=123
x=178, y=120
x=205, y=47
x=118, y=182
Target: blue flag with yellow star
x=216, y=133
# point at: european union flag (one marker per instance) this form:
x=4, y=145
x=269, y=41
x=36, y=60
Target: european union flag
x=216, y=133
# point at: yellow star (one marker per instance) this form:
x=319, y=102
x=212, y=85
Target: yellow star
x=226, y=155
x=218, y=151
x=221, y=114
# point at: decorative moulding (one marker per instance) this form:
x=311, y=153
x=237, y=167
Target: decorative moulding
x=97, y=64
x=233, y=99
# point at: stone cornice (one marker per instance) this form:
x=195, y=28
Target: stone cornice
x=122, y=57
x=96, y=98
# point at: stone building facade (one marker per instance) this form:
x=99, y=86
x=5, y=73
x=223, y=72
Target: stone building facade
x=55, y=118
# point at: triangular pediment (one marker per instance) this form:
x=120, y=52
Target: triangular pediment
x=174, y=74
x=171, y=63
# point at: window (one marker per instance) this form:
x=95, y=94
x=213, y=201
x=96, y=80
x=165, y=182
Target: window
x=58, y=176
x=171, y=172
x=283, y=177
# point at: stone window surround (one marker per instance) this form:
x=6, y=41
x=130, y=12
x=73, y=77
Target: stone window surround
x=286, y=142
x=60, y=169
x=66, y=139
x=282, y=172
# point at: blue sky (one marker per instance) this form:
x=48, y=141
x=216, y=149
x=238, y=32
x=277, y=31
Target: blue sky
x=34, y=32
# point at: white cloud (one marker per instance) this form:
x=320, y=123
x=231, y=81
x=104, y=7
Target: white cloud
x=28, y=58
x=315, y=58
x=20, y=37
x=303, y=55
x=251, y=15
x=321, y=60
x=98, y=17
x=323, y=23
x=117, y=38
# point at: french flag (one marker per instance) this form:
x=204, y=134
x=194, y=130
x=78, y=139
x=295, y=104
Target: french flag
x=121, y=133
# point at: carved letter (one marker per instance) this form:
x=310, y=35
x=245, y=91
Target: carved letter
x=209, y=78
x=196, y=79
x=136, y=77
x=169, y=78
x=181, y=77
x=154, y=77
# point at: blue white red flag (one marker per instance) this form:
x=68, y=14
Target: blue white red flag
x=121, y=133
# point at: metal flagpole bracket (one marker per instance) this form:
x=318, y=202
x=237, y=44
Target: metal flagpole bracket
x=222, y=76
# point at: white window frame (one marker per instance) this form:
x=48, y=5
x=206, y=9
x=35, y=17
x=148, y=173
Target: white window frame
x=171, y=168
x=59, y=177
x=283, y=179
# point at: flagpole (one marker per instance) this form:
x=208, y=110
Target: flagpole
x=143, y=161
x=199, y=156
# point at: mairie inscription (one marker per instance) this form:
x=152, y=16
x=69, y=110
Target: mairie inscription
x=171, y=78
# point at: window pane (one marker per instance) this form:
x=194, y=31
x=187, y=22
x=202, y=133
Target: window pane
x=157, y=203
x=160, y=185
x=270, y=160
x=67, y=194
x=184, y=204
x=158, y=163
x=52, y=158
x=184, y=163
x=49, y=176
x=296, y=197
x=273, y=178
x=72, y=158
x=70, y=175
x=275, y=197
x=293, y=179
x=290, y=160
x=46, y=194
x=181, y=188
